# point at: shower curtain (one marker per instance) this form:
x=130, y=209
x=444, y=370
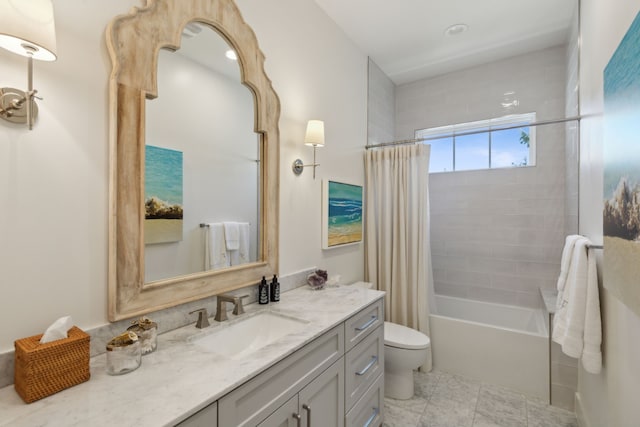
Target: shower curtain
x=397, y=250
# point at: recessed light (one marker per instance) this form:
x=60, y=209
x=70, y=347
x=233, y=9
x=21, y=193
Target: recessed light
x=456, y=30
x=231, y=54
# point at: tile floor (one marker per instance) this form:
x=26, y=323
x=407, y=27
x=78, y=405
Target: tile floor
x=446, y=400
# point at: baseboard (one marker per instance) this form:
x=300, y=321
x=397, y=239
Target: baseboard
x=580, y=414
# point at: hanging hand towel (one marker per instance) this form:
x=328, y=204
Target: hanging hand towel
x=241, y=256
x=232, y=235
x=577, y=324
x=218, y=257
x=567, y=254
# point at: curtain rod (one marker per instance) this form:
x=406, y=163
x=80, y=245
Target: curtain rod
x=475, y=132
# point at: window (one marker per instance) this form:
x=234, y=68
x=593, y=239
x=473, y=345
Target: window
x=486, y=144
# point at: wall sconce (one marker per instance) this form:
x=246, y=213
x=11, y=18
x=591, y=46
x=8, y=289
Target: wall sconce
x=315, y=138
x=27, y=28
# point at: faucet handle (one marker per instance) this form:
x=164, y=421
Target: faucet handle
x=238, y=307
x=203, y=318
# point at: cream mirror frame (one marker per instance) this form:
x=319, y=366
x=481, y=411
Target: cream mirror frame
x=133, y=41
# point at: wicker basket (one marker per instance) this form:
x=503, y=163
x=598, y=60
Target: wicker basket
x=44, y=369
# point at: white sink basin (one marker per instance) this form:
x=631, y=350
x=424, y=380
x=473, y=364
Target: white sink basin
x=246, y=335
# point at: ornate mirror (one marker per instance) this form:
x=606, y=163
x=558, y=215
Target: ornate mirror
x=136, y=41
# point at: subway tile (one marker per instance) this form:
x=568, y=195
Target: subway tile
x=514, y=282
x=491, y=265
x=529, y=299
x=450, y=290
x=450, y=262
x=539, y=269
x=470, y=278
x=498, y=296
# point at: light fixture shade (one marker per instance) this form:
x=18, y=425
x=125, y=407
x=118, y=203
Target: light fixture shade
x=315, y=133
x=27, y=28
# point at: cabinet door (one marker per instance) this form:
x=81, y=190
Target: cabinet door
x=207, y=417
x=322, y=401
x=285, y=416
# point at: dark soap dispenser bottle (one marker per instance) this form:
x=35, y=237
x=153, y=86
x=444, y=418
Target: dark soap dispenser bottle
x=275, y=289
x=263, y=292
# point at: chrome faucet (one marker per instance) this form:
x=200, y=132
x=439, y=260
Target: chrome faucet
x=221, y=312
x=203, y=318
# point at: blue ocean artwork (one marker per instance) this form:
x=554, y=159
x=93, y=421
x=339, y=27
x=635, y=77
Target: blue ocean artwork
x=163, y=195
x=344, y=213
x=163, y=174
x=621, y=161
x=621, y=130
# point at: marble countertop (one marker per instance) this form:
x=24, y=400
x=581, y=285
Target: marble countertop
x=179, y=378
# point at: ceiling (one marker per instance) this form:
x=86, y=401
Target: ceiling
x=406, y=38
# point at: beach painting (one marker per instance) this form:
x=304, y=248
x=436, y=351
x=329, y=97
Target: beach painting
x=621, y=213
x=162, y=195
x=341, y=214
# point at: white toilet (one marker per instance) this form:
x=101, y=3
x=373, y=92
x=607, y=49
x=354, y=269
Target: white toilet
x=405, y=349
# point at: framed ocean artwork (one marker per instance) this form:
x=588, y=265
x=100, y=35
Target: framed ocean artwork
x=162, y=195
x=621, y=186
x=341, y=214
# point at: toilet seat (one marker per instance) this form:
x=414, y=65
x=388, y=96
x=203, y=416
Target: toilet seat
x=400, y=336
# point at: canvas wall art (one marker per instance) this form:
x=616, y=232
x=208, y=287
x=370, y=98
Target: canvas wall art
x=341, y=214
x=621, y=215
x=163, y=195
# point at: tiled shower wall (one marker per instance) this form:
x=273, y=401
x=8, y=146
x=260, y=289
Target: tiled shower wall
x=381, y=104
x=496, y=235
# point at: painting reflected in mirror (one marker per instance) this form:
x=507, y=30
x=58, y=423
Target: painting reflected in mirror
x=195, y=219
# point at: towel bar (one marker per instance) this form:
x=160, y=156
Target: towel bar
x=594, y=247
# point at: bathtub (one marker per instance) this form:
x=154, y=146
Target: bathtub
x=496, y=343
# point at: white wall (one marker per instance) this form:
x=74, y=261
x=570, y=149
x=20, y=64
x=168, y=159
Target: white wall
x=54, y=179
x=496, y=235
x=610, y=398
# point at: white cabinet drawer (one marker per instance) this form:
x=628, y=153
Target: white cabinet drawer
x=362, y=323
x=364, y=363
x=253, y=401
x=368, y=411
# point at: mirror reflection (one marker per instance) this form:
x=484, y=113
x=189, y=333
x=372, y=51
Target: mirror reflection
x=202, y=168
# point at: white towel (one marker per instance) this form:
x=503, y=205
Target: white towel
x=232, y=235
x=241, y=256
x=217, y=252
x=576, y=325
x=565, y=263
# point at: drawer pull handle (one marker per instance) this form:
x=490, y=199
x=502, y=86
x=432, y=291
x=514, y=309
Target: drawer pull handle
x=376, y=411
x=298, y=418
x=366, y=325
x=364, y=370
x=308, y=409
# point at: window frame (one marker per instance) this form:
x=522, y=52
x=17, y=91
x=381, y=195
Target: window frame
x=512, y=121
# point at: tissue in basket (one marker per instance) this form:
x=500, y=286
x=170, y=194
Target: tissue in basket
x=44, y=369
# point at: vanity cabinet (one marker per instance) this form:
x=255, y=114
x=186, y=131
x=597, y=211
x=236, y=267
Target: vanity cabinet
x=319, y=404
x=257, y=399
x=207, y=417
x=336, y=380
x=364, y=367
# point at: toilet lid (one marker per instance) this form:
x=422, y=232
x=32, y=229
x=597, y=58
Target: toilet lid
x=403, y=337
